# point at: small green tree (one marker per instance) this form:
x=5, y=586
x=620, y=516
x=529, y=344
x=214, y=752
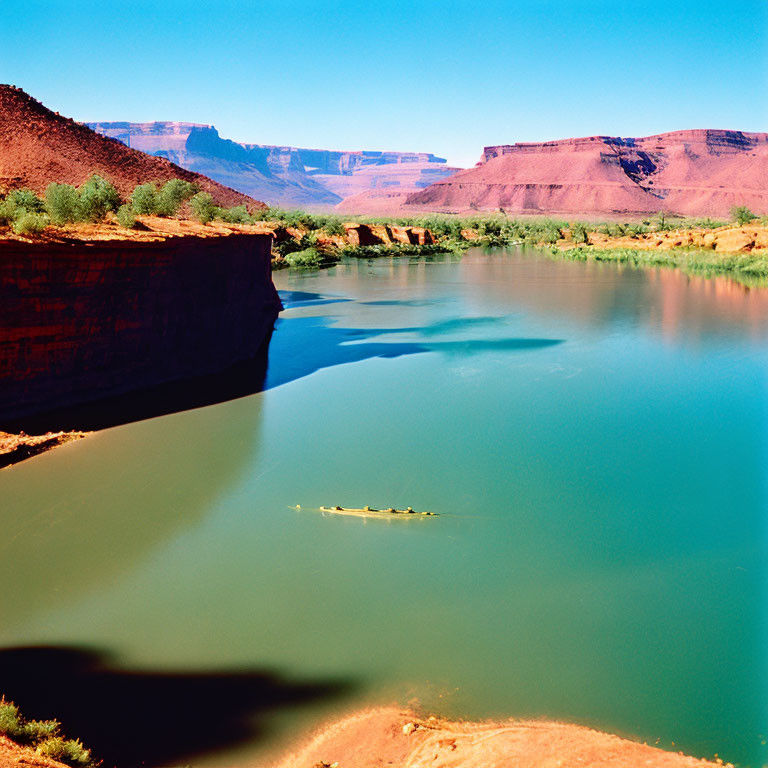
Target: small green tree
x=742, y=215
x=144, y=199
x=126, y=217
x=97, y=196
x=62, y=203
x=203, y=207
x=172, y=195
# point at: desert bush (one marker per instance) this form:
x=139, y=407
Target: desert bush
x=742, y=215
x=171, y=196
x=25, y=200
x=97, y=196
x=29, y=223
x=203, y=207
x=126, y=217
x=579, y=232
x=144, y=199
x=334, y=227
x=70, y=751
x=62, y=202
x=35, y=731
x=235, y=215
x=11, y=722
x=309, y=257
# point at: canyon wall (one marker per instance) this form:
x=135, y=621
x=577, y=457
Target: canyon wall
x=281, y=175
x=692, y=173
x=86, y=321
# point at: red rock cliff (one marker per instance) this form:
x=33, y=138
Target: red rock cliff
x=693, y=173
x=84, y=321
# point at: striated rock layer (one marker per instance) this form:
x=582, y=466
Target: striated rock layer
x=38, y=146
x=84, y=321
x=692, y=173
x=281, y=175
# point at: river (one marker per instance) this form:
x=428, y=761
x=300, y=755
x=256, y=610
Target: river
x=593, y=438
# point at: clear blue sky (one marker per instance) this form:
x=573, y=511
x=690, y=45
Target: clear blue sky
x=445, y=77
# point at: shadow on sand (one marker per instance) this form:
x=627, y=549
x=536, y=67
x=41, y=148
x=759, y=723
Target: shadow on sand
x=132, y=717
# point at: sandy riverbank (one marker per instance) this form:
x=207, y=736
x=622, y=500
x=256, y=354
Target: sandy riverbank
x=389, y=736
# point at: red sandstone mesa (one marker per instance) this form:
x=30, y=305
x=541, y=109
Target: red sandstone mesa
x=38, y=146
x=693, y=173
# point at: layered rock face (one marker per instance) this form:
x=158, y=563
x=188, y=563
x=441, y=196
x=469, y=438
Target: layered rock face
x=281, y=175
x=86, y=321
x=38, y=146
x=692, y=173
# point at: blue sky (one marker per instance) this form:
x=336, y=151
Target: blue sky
x=445, y=77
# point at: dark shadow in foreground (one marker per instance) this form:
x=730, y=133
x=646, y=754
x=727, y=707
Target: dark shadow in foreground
x=130, y=717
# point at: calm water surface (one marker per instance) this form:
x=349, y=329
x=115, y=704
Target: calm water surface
x=593, y=436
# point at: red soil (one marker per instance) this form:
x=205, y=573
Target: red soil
x=38, y=146
x=14, y=756
x=693, y=173
x=393, y=737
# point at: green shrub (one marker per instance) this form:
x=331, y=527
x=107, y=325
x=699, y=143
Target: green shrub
x=126, y=217
x=173, y=193
x=7, y=213
x=203, y=207
x=334, y=227
x=25, y=200
x=62, y=203
x=35, y=731
x=70, y=751
x=742, y=215
x=309, y=257
x=144, y=199
x=11, y=722
x=579, y=232
x=97, y=196
x=30, y=223
x=235, y=215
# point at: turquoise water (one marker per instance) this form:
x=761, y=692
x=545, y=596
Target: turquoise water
x=593, y=436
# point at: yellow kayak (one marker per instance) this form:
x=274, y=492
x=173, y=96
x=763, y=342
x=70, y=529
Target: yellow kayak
x=408, y=513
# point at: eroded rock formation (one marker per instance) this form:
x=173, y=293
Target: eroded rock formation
x=693, y=173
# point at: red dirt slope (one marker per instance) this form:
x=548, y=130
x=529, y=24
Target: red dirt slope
x=38, y=146
x=692, y=173
x=391, y=737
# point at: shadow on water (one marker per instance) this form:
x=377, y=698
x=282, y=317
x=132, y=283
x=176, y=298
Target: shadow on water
x=131, y=717
x=301, y=346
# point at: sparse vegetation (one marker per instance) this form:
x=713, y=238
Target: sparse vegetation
x=203, y=207
x=144, y=199
x=125, y=217
x=30, y=223
x=43, y=735
x=62, y=202
x=742, y=215
x=97, y=197
x=172, y=195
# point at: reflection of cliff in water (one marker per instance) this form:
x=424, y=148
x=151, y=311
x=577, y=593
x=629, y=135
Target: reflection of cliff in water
x=670, y=303
x=74, y=520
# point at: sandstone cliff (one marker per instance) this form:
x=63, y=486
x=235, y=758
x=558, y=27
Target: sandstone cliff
x=82, y=321
x=281, y=175
x=692, y=173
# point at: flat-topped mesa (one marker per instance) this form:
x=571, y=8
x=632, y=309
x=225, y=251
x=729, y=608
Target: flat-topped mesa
x=693, y=173
x=282, y=175
x=38, y=146
x=715, y=140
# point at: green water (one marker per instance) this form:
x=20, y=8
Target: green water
x=593, y=436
